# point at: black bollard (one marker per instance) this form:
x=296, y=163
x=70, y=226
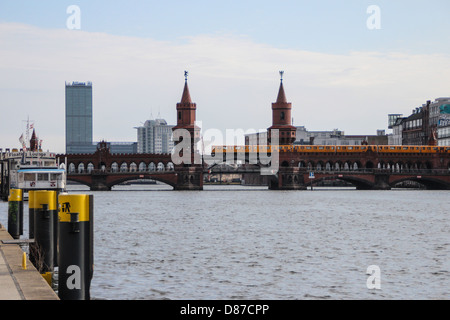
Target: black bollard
x=15, y=213
x=31, y=210
x=44, y=220
x=76, y=250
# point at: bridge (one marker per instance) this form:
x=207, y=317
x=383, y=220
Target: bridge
x=367, y=166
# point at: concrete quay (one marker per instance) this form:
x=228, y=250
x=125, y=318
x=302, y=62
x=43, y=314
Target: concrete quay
x=15, y=282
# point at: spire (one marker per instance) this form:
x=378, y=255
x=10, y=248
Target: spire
x=186, y=98
x=281, y=95
x=34, y=142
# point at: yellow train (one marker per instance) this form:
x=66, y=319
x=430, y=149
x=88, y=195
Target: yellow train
x=329, y=149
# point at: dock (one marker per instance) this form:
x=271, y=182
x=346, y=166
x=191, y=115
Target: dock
x=17, y=283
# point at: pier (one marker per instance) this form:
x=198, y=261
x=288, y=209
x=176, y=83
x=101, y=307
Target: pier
x=17, y=283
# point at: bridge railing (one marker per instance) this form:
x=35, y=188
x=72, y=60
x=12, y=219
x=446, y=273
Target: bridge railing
x=244, y=169
x=380, y=171
x=113, y=171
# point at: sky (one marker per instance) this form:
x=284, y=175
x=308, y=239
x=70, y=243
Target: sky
x=347, y=64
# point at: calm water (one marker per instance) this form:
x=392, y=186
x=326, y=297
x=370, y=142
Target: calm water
x=233, y=242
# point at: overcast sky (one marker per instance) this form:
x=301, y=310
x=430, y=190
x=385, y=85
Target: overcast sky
x=345, y=66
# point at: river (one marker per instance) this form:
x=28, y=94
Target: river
x=236, y=242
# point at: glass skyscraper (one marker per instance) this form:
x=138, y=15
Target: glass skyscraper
x=79, y=137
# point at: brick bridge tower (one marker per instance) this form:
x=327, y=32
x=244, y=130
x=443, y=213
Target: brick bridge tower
x=281, y=118
x=288, y=176
x=190, y=171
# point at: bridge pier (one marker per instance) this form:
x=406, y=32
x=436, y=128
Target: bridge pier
x=288, y=178
x=381, y=182
x=99, y=183
x=189, y=178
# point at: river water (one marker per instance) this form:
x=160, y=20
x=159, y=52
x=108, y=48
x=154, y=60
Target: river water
x=236, y=242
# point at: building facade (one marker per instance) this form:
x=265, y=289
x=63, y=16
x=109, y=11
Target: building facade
x=425, y=126
x=155, y=136
x=443, y=119
x=79, y=118
x=413, y=129
x=332, y=137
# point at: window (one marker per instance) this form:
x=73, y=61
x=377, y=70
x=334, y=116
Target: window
x=42, y=176
x=30, y=177
x=179, y=115
x=282, y=115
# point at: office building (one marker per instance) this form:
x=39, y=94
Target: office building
x=79, y=118
x=155, y=136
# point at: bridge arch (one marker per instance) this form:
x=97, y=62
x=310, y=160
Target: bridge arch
x=114, y=167
x=170, y=166
x=359, y=183
x=158, y=177
x=152, y=167
x=80, y=167
x=133, y=167
x=430, y=183
x=124, y=167
x=338, y=165
x=347, y=165
x=160, y=167
x=142, y=167
x=320, y=165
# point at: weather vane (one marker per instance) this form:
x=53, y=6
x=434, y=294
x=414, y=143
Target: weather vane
x=281, y=75
x=186, y=75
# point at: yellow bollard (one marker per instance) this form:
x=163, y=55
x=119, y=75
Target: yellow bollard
x=24, y=261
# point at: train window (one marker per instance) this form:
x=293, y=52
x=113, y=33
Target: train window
x=320, y=148
x=350, y=148
x=308, y=148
